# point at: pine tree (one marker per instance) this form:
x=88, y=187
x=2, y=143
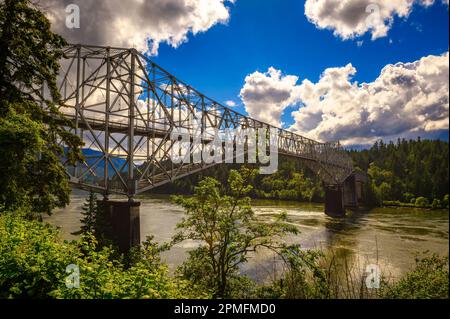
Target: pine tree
x=89, y=220
x=94, y=222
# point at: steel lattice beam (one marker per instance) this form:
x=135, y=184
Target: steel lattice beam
x=125, y=107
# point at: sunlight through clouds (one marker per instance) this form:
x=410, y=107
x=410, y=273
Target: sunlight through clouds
x=140, y=24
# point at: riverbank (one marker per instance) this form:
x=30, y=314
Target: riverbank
x=421, y=205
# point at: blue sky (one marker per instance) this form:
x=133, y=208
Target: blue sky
x=265, y=33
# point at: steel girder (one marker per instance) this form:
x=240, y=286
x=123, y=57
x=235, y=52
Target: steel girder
x=125, y=108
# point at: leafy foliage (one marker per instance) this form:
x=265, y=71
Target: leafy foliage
x=224, y=223
x=293, y=181
x=33, y=261
x=95, y=222
x=429, y=280
x=290, y=182
x=304, y=278
x=31, y=133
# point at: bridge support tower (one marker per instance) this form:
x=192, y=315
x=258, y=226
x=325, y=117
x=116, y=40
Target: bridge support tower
x=123, y=223
x=349, y=194
x=334, y=201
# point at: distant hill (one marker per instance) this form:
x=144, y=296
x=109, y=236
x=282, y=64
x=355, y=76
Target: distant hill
x=92, y=157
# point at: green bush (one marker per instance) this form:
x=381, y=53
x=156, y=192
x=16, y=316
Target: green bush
x=422, y=202
x=429, y=280
x=445, y=201
x=33, y=261
x=32, y=258
x=397, y=203
x=408, y=197
x=391, y=203
x=436, y=204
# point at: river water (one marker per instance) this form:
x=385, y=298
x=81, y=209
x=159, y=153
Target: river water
x=389, y=237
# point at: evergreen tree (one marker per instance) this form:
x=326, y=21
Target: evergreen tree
x=89, y=220
x=31, y=134
x=407, y=170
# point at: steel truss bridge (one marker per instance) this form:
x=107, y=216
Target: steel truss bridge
x=125, y=107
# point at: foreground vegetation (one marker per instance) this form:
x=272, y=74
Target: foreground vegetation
x=34, y=259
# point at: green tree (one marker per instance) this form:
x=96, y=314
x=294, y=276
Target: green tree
x=89, y=213
x=95, y=222
x=31, y=127
x=228, y=229
x=418, y=167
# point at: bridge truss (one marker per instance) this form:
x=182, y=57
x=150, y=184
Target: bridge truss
x=125, y=108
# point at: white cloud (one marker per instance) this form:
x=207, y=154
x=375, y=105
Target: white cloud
x=133, y=23
x=266, y=95
x=353, y=18
x=406, y=100
x=230, y=103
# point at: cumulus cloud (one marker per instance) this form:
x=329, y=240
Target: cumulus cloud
x=266, y=95
x=352, y=18
x=230, y=103
x=143, y=24
x=406, y=100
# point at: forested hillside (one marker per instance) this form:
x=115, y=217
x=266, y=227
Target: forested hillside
x=406, y=170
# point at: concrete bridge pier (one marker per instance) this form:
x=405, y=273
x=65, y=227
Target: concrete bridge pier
x=123, y=222
x=334, y=201
x=349, y=194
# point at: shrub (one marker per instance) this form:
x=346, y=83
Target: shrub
x=33, y=261
x=225, y=223
x=429, y=280
x=445, y=201
x=436, y=204
x=408, y=197
x=422, y=202
x=391, y=203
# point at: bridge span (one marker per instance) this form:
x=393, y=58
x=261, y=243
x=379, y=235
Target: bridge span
x=126, y=108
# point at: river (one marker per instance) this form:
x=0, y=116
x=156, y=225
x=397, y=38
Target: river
x=389, y=237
